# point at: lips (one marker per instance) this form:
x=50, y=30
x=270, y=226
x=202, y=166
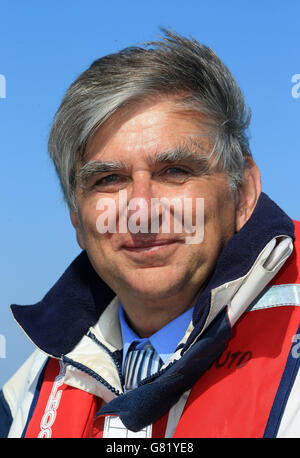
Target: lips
x=140, y=244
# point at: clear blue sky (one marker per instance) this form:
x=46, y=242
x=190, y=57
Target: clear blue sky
x=45, y=45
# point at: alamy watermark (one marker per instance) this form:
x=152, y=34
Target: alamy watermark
x=2, y=87
x=165, y=215
x=296, y=87
x=2, y=346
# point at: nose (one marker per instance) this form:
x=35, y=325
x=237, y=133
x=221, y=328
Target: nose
x=139, y=203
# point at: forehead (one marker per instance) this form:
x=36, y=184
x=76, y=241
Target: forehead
x=147, y=129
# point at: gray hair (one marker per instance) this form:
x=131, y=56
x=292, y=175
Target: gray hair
x=174, y=66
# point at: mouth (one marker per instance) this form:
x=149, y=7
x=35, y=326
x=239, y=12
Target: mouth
x=149, y=245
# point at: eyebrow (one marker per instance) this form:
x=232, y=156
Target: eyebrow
x=95, y=167
x=178, y=155
x=183, y=154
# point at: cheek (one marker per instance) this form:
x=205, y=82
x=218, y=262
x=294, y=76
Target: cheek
x=98, y=216
x=219, y=214
x=220, y=218
x=193, y=216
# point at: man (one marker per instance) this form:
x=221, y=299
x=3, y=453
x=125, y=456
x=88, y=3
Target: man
x=145, y=141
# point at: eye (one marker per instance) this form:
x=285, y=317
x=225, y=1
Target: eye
x=108, y=179
x=174, y=174
x=110, y=183
x=175, y=171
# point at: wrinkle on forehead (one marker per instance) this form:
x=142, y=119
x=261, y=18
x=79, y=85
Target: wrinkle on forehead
x=129, y=117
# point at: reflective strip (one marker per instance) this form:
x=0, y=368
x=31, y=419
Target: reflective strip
x=275, y=296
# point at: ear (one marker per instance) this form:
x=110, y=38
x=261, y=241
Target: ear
x=248, y=193
x=75, y=219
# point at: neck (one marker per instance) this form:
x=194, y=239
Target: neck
x=149, y=318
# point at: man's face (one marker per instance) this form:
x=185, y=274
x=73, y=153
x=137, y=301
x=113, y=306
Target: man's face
x=151, y=269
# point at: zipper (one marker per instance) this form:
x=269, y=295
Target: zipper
x=115, y=359
x=90, y=372
x=95, y=375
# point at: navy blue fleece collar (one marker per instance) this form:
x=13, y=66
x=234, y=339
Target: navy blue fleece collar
x=76, y=301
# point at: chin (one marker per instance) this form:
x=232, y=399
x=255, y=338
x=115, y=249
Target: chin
x=155, y=286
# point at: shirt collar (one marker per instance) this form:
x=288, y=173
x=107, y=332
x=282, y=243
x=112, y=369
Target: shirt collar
x=165, y=340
